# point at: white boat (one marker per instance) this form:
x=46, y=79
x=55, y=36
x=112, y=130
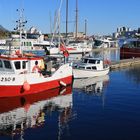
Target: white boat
x=78, y=46
x=90, y=67
x=30, y=45
x=49, y=47
x=105, y=43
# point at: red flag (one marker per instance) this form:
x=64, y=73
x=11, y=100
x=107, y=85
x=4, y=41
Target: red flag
x=65, y=53
x=64, y=49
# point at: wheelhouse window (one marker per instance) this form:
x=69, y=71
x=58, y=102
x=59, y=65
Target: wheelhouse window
x=85, y=60
x=94, y=68
x=92, y=61
x=1, y=65
x=81, y=67
x=88, y=68
x=7, y=64
x=24, y=65
x=98, y=61
x=17, y=65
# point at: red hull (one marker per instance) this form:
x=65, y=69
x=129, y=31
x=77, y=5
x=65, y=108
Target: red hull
x=129, y=53
x=9, y=91
x=8, y=104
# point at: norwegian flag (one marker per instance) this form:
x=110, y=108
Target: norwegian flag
x=64, y=50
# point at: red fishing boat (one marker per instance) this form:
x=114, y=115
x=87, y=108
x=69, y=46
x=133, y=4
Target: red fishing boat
x=21, y=75
x=130, y=49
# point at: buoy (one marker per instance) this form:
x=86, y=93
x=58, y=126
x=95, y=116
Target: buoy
x=63, y=84
x=26, y=86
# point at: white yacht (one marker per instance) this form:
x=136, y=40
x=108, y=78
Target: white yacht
x=90, y=67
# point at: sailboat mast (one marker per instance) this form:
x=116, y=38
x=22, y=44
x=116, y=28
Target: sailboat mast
x=85, y=27
x=66, y=19
x=76, y=19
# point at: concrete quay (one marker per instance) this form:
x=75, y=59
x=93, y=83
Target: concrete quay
x=124, y=63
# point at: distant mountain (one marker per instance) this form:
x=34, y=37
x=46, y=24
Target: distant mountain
x=3, y=29
x=4, y=33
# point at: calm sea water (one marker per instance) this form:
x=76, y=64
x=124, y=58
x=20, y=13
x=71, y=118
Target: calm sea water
x=105, y=108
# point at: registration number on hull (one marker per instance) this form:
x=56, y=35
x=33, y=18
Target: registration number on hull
x=7, y=79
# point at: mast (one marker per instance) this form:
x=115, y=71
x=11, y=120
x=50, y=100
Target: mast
x=85, y=27
x=66, y=19
x=20, y=24
x=76, y=32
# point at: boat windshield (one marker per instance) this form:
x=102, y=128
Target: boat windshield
x=97, y=42
x=92, y=61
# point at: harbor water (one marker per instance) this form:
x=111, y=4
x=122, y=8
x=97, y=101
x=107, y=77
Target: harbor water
x=101, y=108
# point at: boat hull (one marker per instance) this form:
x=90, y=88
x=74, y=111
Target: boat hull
x=82, y=73
x=30, y=83
x=129, y=53
x=17, y=90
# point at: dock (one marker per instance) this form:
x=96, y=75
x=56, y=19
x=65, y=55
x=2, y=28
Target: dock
x=124, y=63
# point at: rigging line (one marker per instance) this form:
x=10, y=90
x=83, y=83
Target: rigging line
x=57, y=20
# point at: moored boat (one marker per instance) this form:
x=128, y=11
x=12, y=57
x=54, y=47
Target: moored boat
x=130, y=49
x=21, y=75
x=90, y=67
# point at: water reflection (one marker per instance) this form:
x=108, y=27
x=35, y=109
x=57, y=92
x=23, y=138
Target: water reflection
x=19, y=113
x=110, y=54
x=92, y=85
x=133, y=74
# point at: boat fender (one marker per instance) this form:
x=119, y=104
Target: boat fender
x=26, y=86
x=63, y=84
x=62, y=91
x=107, y=62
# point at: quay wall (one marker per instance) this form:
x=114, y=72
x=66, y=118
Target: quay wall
x=125, y=63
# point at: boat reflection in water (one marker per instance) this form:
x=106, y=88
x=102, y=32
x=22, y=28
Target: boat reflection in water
x=133, y=74
x=19, y=113
x=92, y=85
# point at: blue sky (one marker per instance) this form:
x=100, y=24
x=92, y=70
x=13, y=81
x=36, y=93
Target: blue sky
x=103, y=16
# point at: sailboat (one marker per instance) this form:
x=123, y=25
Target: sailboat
x=77, y=46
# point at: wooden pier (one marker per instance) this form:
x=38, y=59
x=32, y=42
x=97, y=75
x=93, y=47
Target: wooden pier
x=124, y=63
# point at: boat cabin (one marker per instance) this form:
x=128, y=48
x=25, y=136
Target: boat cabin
x=91, y=64
x=19, y=65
